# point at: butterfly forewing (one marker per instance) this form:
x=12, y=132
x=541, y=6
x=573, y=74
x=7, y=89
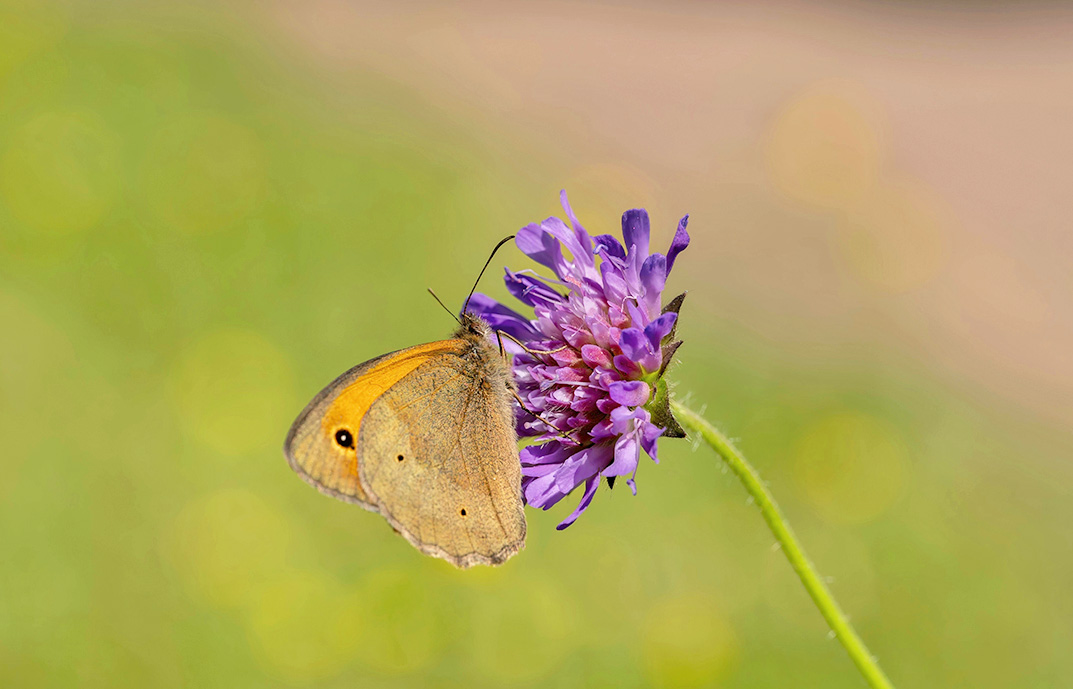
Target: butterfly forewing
x=321, y=445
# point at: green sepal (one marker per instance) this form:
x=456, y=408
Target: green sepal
x=673, y=306
x=659, y=406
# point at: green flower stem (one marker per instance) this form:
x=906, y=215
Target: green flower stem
x=819, y=592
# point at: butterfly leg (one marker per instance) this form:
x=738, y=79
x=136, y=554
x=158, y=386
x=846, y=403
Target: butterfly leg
x=519, y=343
x=562, y=434
x=517, y=397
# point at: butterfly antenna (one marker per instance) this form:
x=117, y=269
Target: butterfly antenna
x=440, y=302
x=465, y=307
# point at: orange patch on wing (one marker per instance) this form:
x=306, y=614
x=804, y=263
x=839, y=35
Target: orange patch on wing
x=349, y=408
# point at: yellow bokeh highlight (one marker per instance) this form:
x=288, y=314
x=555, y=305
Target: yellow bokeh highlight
x=688, y=642
x=826, y=149
x=222, y=544
x=61, y=172
x=851, y=466
x=896, y=239
x=826, y=146
x=203, y=173
x=232, y=390
x=305, y=626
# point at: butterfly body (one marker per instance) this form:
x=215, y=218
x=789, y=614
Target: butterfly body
x=425, y=437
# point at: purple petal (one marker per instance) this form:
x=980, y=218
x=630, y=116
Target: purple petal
x=561, y=396
x=565, y=357
x=602, y=429
x=614, y=285
x=634, y=344
x=531, y=290
x=637, y=317
x=579, y=421
x=603, y=333
x=585, y=399
x=538, y=470
x=566, y=374
x=543, y=248
x=552, y=452
x=631, y=272
x=627, y=452
x=577, y=338
x=542, y=492
x=581, y=256
x=627, y=366
x=579, y=231
x=654, y=273
x=622, y=419
x=596, y=357
x=653, y=278
x=635, y=231
x=625, y=420
x=630, y=393
x=660, y=328
x=606, y=405
x=603, y=378
x=609, y=246
x=590, y=490
x=649, y=434
x=593, y=288
x=680, y=242
x=581, y=466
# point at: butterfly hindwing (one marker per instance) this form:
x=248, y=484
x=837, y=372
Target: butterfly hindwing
x=439, y=456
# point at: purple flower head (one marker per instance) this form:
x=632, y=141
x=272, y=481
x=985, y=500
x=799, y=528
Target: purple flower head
x=591, y=372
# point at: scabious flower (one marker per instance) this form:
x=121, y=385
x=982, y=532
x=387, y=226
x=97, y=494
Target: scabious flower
x=591, y=370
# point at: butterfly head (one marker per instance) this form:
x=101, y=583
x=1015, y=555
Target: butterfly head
x=473, y=326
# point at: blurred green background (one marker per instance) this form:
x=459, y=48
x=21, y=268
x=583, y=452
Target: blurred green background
x=208, y=211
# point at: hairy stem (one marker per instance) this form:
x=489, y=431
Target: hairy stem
x=819, y=592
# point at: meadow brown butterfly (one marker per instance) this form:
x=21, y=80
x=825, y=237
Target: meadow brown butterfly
x=425, y=437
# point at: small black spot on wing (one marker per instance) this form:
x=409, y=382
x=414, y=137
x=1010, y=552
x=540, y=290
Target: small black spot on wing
x=344, y=438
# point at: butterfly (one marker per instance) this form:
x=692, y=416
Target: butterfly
x=425, y=437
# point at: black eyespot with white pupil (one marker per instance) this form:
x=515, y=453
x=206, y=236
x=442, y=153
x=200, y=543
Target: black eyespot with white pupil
x=344, y=438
